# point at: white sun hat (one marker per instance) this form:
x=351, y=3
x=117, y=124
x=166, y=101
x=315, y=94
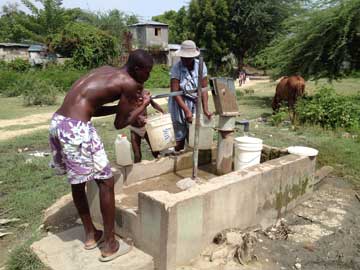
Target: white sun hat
x=188, y=49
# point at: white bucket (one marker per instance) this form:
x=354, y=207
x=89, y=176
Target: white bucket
x=161, y=132
x=247, y=152
x=206, y=132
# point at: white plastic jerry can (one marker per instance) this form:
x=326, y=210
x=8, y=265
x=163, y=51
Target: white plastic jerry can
x=123, y=150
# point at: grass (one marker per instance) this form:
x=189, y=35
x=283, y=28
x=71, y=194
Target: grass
x=29, y=187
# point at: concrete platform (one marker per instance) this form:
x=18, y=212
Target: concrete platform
x=65, y=251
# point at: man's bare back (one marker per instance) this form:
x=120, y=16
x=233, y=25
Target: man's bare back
x=103, y=85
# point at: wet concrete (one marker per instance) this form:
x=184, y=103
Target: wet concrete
x=166, y=182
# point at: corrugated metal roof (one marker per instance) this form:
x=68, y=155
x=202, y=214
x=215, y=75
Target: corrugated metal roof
x=174, y=46
x=149, y=23
x=37, y=48
x=14, y=45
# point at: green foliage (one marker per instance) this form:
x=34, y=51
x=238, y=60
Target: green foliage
x=7, y=79
x=159, y=77
x=178, y=24
x=60, y=76
x=88, y=46
x=322, y=43
x=278, y=118
x=330, y=110
x=19, y=65
x=35, y=91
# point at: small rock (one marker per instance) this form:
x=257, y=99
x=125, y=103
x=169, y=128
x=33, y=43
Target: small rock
x=4, y=234
x=41, y=227
x=19, y=150
x=297, y=265
x=5, y=221
x=221, y=253
x=266, y=260
x=185, y=183
x=233, y=238
x=24, y=225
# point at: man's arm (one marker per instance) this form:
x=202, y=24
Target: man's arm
x=156, y=106
x=175, y=86
x=105, y=110
x=126, y=115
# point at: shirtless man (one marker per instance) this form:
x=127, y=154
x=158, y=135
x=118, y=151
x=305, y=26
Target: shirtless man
x=77, y=149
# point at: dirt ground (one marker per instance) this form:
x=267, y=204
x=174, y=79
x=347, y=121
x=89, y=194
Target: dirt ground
x=323, y=233
x=35, y=119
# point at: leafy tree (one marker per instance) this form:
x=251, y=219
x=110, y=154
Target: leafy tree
x=255, y=23
x=236, y=26
x=88, y=46
x=326, y=45
x=209, y=24
x=178, y=24
x=10, y=28
x=115, y=22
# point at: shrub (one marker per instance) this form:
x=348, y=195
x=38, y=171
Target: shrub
x=159, y=77
x=36, y=92
x=330, y=110
x=61, y=77
x=7, y=79
x=19, y=65
x=280, y=117
x=88, y=46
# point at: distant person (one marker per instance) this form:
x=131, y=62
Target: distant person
x=184, y=76
x=77, y=149
x=242, y=77
x=138, y=132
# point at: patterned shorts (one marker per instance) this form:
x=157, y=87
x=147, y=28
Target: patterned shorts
x=77, y=150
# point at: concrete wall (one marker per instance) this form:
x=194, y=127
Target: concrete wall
x=176, y=227
x=10, y=53
x=161, y=39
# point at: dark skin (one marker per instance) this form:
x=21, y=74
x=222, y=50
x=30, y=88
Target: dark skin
x=84, y=101
x=136, y=139
x=175, y=86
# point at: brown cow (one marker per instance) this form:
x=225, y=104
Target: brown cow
x=288, y=90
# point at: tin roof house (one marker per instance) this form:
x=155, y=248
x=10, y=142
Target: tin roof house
x=11, y=51
x=152, y=36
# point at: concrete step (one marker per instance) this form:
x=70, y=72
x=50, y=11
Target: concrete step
x=64, y=251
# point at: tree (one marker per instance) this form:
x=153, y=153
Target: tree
x=255, y=23
x=178, y=24
x=88, y=46
x=209, y=25
x=10, y=28
x=326, y=45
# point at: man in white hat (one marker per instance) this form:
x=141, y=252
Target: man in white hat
x=184, y=76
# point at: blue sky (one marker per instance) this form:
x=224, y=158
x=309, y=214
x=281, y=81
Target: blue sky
x=144, y=8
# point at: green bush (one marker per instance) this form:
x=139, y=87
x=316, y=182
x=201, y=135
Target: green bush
x=88, y=46
x=278, y=118
x=159, y=77
x=19, y=65
x=330, y=110
x=7, y=79
x=36, y=92
x=60, y=76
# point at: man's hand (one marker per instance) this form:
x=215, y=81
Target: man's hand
x=208, y=114
x=188, y=116
x=146, y=98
